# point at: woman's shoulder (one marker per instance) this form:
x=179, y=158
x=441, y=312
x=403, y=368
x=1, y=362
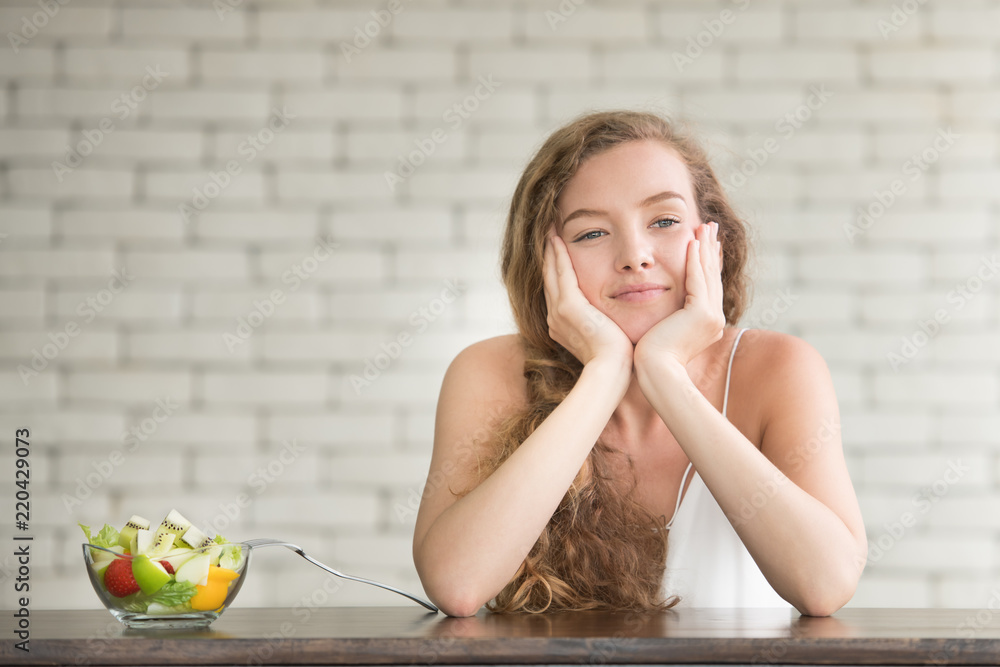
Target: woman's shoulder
x=492, y=368
x=774, y=352
x=779, y=370
x=493, y=354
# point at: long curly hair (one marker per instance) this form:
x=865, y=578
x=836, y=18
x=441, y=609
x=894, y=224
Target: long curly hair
x=601, y=549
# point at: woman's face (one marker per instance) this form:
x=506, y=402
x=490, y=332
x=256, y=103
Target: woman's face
x=627, y=216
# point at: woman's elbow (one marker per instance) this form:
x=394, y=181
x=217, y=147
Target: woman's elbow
x=445, y=591
x=829, y=594
x=453, y=600
x=458, y=606
x=820, y=606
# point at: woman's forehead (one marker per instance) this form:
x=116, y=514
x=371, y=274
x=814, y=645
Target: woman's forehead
x=631, y=169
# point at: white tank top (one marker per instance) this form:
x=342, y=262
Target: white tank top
x=707, y=563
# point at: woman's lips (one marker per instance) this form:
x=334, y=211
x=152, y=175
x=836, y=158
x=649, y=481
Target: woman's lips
x=643, y=292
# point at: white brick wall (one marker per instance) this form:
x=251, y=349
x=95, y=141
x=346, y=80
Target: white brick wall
x=322, y=177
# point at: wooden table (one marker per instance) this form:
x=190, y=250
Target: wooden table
x=409, y=635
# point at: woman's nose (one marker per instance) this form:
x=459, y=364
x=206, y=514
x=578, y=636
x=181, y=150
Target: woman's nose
x=634, y=252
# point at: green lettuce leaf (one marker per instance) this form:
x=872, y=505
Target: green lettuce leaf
x=107, y=538
x=133, y=603
x=174, y=593
x=232, y=557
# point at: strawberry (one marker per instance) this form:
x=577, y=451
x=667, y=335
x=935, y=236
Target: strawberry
x=167, y=566
x=118, y=578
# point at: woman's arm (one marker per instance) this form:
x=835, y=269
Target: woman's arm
x=791, y=502
x=466, y=550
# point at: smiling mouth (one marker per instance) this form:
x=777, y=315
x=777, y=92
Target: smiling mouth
x=641, y=293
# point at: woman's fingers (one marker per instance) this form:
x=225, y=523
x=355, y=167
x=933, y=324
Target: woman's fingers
x=694, y=283
x=567, y=286
x=705, y=276
x=714, y=264
x=565, y=273
x=559, y=283
x=700, y=322
x=550, y=273
x=573, y=321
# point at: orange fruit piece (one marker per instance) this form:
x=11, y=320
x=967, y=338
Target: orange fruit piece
x=221, y=573
x=213, y=594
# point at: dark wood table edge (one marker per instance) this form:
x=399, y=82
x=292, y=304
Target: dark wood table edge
x=518, y=651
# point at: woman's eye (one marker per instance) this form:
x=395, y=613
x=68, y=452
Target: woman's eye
x=666, y=222
x=586, y=236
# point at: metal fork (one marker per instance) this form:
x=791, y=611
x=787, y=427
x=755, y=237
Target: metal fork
x=271, y=542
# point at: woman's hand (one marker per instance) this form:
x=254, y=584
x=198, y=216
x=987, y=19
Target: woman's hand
x=573, y=321
x=685, y=333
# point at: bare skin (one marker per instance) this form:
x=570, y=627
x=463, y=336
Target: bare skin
x=652, y=385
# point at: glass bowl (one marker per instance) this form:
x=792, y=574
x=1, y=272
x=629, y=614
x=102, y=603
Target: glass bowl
x=164, y=608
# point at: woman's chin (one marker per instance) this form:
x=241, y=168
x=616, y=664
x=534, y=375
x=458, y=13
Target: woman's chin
x=635, y=332
x=638, y=324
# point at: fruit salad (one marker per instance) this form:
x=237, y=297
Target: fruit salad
x=173, y=569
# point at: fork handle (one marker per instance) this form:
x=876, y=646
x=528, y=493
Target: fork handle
x=297, y=549
x=387, y=587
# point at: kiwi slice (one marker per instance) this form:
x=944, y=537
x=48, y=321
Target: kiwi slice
x=128, y=532
x=174, y=523
x=196, y=539
x=162, y=543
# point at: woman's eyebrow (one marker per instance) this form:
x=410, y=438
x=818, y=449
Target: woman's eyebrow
x=648, y=201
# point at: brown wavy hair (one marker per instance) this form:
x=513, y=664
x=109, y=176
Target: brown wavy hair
x=601, y=549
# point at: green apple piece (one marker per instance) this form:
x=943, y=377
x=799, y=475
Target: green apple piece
x=195, y=571
x=215, y=552
x=149, y=574
x=101, y=556
x=134, y=524
x=178, y=550
x=101, y=559
x=143, y=542
x=177, y=557
x=99, y=568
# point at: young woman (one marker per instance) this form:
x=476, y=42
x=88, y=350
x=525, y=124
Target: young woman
x=629, y=430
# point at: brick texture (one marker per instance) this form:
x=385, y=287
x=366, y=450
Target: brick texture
x=297, y=267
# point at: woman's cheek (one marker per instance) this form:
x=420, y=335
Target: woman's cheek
x=585, y=278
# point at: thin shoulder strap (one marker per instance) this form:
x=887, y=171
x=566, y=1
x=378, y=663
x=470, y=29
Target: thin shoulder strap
x=725, y=403
x=729, y=371
x=680, y=492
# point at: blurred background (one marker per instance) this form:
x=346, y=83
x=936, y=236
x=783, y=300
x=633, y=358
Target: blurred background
x=241, y=240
